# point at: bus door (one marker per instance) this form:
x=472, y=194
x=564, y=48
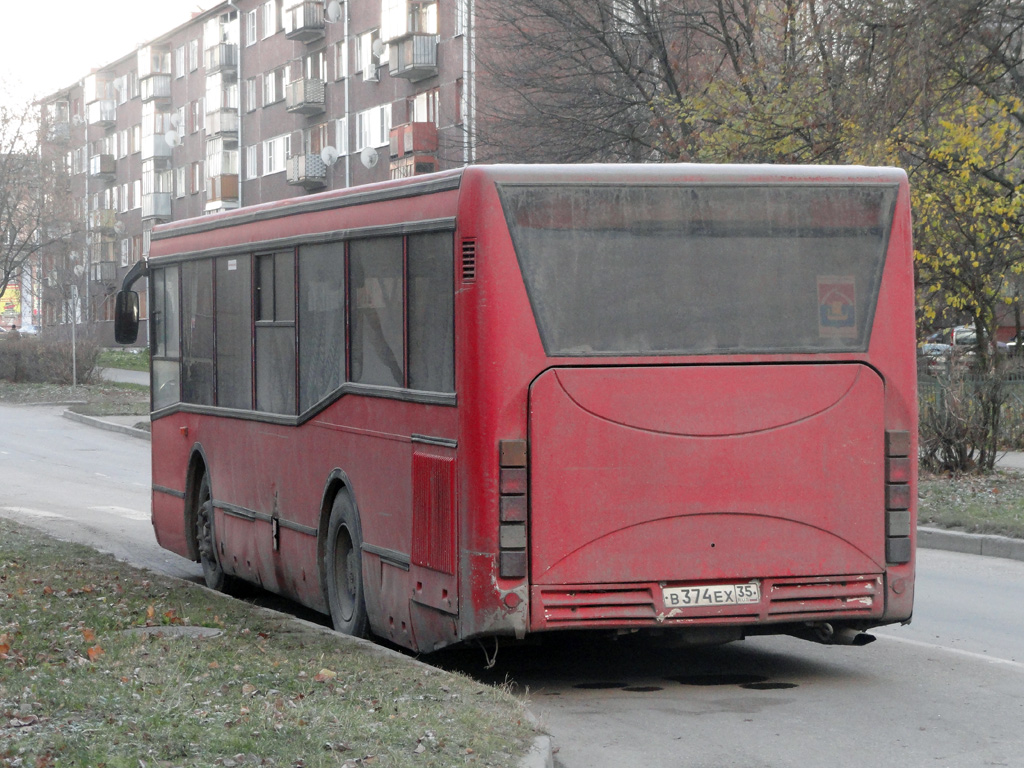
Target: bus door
x=708, y=474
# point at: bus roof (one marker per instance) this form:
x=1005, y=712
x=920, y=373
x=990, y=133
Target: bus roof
x=600, y=173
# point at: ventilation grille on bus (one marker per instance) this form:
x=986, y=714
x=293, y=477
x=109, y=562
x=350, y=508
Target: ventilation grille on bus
x=433, y=510
x=469, y=261
x=855, y=594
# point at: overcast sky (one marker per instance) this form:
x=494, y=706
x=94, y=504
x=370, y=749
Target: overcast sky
x=45, y=46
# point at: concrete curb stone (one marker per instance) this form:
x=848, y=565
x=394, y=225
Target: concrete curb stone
x=971, y=543
x=110, y=426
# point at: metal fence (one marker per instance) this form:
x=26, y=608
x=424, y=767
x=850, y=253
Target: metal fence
x=933, y=390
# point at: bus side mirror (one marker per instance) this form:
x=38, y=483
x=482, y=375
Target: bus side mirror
x=126, y=317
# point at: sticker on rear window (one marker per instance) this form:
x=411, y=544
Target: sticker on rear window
x=837, y=307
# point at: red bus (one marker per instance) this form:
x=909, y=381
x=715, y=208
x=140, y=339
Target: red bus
x=511, y=400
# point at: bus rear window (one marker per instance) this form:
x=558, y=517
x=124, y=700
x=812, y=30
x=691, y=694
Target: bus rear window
x=701, y=269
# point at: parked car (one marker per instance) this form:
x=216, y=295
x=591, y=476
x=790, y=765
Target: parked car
x=933, y=357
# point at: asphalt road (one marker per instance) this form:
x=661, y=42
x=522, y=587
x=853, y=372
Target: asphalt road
x=945, y=692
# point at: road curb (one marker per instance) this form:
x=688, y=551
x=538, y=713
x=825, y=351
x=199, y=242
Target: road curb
x=971, y=543
x=92, y=421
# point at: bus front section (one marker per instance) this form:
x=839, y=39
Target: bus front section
x=719, y=432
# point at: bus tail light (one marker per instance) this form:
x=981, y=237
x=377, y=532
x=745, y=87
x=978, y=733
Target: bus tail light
x=512, y=489
x=897, y=496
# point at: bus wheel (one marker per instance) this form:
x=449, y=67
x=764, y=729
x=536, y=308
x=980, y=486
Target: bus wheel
x=212, y=572
x=344, y=568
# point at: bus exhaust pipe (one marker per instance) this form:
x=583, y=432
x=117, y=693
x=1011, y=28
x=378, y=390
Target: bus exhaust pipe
x=826, y=634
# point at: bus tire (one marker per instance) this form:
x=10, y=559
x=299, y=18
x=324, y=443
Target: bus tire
x=344, y=569
x=206, y=541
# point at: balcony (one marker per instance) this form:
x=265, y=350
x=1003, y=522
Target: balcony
x=222, y=188
x=153, y=60
x=412, y=165
x=414, y=57
x=102, y=167
x=413, y=138
x=156, y=205
x=305, y=97
x=222, y=58
x=102, y=113
x=155, y=88
x=155, y=147
x=104, y=272
x=304, y=22
x=59, y=131
x=222, y=123
x=103, y=220
x=306, y=171
x=98, y=86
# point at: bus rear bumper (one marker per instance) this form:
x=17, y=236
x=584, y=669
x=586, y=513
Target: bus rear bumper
x=856, y=599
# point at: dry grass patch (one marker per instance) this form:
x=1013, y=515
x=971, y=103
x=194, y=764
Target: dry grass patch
x=79, y=687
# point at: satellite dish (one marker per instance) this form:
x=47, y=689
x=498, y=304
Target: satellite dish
x=172, y=138
x=175, y=121
x=369, y=157
x=329, y=155
x=377, y=48
x=334, y=11
x=119, y=227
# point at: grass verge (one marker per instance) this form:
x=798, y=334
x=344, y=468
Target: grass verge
x=82, y=685
x=992, y=503
x=125, y=359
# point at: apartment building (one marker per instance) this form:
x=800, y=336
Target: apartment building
x=246, y=103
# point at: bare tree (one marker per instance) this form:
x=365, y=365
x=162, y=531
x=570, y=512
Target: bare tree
x=718, y=80
x=34, y=197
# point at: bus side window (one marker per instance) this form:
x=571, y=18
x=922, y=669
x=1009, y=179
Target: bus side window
x=234, y=332
x=275, y=332
x=165, y=338
x=431, y=312
x=376, y=305
x=321, y=321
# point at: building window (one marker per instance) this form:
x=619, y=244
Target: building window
x=404, y=17
x=251, y=162
x=316, y=65
x=341, y=135
x=366, y=61
x=271, y=17
x=197, y=177
x=273, y=85
x=181, y=181
x=179, y=61
x=137, y=193
x=275, y=153
x=461, y=17
x=424, y=107
x=373, y=127
x=195, y=116
x=250, y=27
x=341, y=60
x=250, y=95
x=193, y=55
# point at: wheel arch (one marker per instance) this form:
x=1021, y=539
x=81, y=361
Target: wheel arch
x=197, y=467
x=337, y=482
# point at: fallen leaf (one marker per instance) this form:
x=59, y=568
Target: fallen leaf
x=248, y=690
x=324, y=675
x=89, y=636
x=150, y=612
x=95, y=652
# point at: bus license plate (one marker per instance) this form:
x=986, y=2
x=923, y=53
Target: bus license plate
x=711, y=595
